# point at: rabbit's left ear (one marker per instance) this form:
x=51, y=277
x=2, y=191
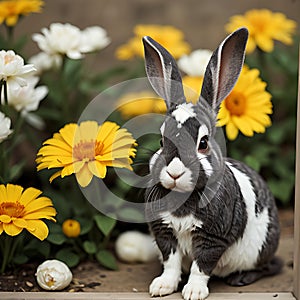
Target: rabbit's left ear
x=224, y=68
x=163, y=73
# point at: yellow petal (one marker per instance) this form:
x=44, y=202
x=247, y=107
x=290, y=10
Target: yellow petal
x=68, y=133
x=38, y=228
x=14, y=192
x=84, y=176
x=29, y=194
x=12, y=229
x=231, y=131
x=107, y=130
x=45, y=213
x=55, y=175
x=5, y=219
x=3, y=193
x=86, y=131
x=20, y=223
x=38, y=204
x=97, y=168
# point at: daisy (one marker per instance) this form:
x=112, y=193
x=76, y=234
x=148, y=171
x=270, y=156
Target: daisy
x=27, y=98
x=87, y=150
x=93, y=38
x=13, y=70
x=247, y=107
x=168, y=36
x=264, y=27
x=23, y=209
x=11, y=10
x=62, y=39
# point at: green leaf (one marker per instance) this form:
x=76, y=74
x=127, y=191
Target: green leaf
x=68, y=257
x=282, y=190
x=105, y=224
x=85, y=225
x=252, y=162
x=89, y=247
x=20, y=259
x=16, y=170
x=42, y=247
x=56, y=238
x=106, y=259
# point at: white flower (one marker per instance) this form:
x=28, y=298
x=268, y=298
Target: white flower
x=5, y=123
x=64, y=39
x=134, y=246
x=44, y=62
x=53, y=275
x=13, y=70
x=195, y=63
x=93, y=38
x=27, y=98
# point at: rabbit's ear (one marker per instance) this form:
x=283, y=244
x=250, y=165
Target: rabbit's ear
x=224, y=68
x=162, y=72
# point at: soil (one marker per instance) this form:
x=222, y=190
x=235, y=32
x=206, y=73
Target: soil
x=90, y=277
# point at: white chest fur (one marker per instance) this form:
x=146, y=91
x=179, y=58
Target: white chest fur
x=182, y=228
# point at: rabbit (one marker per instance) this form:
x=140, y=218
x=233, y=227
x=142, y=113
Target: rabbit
x=214, y=210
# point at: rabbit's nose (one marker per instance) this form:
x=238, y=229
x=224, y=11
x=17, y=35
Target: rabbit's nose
x=175, y=176
x=175, y=168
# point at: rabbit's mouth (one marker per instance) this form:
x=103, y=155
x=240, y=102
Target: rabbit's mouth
x=176, y=176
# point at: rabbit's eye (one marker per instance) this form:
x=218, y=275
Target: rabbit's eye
x=203, y=145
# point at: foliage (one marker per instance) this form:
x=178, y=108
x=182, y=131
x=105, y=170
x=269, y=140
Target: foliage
x=70, y=87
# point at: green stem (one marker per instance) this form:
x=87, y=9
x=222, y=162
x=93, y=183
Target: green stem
x=6, y=252
x=5, y=92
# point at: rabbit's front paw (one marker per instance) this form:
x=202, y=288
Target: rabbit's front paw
x=163, y=285
x=195, y=290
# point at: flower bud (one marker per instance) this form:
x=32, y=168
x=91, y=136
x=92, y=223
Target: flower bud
x=53, y=275
x=71, y=228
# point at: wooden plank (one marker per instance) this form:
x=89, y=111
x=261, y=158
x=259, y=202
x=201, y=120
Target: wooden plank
x=138, y=296
x=297, y=204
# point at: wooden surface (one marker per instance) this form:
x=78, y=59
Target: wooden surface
x=297, y=206
x=141, y=296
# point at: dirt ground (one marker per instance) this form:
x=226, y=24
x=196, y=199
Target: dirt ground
x=90, y=277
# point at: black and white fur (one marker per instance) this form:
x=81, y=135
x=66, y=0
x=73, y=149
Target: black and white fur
x=214, y=210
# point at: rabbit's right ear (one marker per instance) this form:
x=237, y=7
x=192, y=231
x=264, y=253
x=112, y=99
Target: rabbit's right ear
x=224, y=68
x=163, y=73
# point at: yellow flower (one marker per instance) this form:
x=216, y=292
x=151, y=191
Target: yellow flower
x=168, y=36
x=192, y=87
x=264, y=27
x=135, y=104
x=71, y=228
x=247, y=107
x=86, y=150
x=11, y=10
x=22, y=209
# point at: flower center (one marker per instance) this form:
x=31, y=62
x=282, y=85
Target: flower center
x=8, y=58
x=12, y=209
x=236, y=103
x=87, y=150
